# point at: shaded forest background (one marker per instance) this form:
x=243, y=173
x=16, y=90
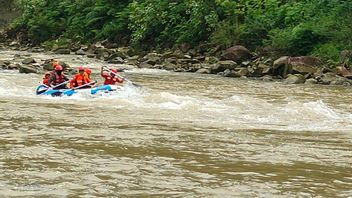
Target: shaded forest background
x=321, y=28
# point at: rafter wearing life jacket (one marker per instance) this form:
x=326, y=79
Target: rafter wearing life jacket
x=111, y=78
x=57, y=77
x=80, y=79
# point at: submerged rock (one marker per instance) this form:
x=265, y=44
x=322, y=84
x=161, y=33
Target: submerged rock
x=295, y=79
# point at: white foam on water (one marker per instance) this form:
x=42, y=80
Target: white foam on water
x=238, y=111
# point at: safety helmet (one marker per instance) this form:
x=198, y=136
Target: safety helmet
x=80, y=68
x=58, y=68
x=88, y=71
x=114, y=71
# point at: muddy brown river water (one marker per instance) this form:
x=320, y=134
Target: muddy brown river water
x=180, y=135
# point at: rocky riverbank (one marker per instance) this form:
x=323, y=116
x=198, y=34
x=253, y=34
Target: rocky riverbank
x=234, y=62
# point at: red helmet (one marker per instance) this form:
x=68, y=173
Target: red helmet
x=114, y=71
x=58, y=68
x=88, y=71
x=80, y=68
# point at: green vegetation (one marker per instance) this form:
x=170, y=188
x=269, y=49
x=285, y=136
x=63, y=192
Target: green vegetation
x=307, y=27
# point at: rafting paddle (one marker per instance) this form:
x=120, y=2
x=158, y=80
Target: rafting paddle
x=72, y=91
x=43, y=88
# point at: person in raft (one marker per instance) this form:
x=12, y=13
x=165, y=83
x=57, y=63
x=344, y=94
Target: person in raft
x=111, y=76
x=54, y=62
x=57, y=78
x=80, y=79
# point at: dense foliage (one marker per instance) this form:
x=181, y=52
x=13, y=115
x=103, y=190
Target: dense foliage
x=318, y=27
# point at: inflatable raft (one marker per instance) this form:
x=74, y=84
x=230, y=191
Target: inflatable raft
x=45, y=90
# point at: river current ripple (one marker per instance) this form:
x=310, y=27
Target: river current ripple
x=180, y=135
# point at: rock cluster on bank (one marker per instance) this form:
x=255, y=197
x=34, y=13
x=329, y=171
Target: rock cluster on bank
x=234, y=62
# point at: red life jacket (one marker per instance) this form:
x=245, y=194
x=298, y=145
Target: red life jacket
x=109, y=80
x=46, y=79
x=58, y=79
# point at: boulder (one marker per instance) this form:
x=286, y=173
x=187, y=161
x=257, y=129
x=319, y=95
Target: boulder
x=37, y=49
x=169, y=66
x=222, y=66
x=281, y=67
x=267, y=78
x=116, y=60
x=344, y=72
x=188, y=61
x=145, y=65
x=238, y=73
x=90, y=55
x=13, y=66
x=259, y=70
x=184, y=47
x=211, y=59
x=295, y=79
x=102, y=53
x=203, y=71
x=304, y=69
x=80, y=52
x=326, y=78
x=152, y=58
x=28, y=61
x=132, y=60
x=14, y=44
x=304, y=64
x=4, y=64
x=237, y=53
x=311, y=81
x=28, y=69
x=63, y=51
x=47, y=65
x=341, y=81
x=118, y=54
x=200, y=58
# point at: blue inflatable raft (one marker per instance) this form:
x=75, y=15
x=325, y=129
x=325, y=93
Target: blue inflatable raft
x=44, y=90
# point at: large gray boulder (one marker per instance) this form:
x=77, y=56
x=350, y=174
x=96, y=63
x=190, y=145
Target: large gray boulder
x=237, y=53
x=26, y=69
x=304, y=64
x=152, y=58
x=28, y=61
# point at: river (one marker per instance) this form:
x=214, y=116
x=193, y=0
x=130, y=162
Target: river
x=179, y=135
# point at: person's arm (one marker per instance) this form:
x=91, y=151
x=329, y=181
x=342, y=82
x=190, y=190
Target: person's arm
x=119, y=80
x=105, y=74
x=52, y=79
x=72, y=82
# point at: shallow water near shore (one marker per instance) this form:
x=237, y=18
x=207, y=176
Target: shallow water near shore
x=180, y=135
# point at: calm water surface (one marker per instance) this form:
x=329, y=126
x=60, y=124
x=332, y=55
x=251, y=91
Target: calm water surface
x=180, y=135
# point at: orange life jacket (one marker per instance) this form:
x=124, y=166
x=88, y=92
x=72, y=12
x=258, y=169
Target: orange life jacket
x=80, y=80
